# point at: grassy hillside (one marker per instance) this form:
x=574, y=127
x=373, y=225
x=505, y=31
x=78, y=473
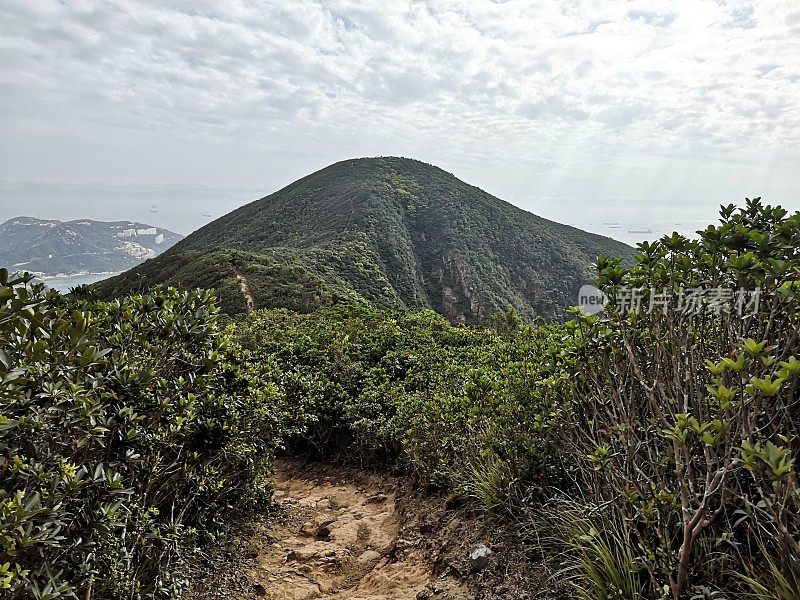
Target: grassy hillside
x=390, y=231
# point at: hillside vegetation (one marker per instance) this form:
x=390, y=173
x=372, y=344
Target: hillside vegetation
x=391, y=232
x=125, y=437
x=643, y=454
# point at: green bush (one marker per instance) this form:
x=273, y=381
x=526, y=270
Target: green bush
x=128, y=428
x=442, y=401
x=125, y=434
x=687, y=422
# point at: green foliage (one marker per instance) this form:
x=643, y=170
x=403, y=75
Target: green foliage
x=686, y=421
x=125, y=435
x=673, y=431
x=678, y=428
x=297, y=280
x=774, y=582
x=390, y=232
x=594, y=549
x=445, y=401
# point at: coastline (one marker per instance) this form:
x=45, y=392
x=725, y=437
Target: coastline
x=64, y=282
x=48, y=277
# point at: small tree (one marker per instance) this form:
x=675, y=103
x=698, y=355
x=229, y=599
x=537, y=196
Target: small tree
x=685, y=411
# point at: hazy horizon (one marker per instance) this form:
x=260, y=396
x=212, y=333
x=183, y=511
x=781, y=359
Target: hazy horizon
x=184, y=208
x=648, y=113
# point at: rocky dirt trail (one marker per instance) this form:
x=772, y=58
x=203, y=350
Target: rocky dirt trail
x=247, y=292
x=331, y=537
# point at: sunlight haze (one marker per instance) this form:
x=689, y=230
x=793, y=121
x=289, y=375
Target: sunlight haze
x=647, y=113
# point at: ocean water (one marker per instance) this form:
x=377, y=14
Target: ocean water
x=181, y=210
x=64, y=284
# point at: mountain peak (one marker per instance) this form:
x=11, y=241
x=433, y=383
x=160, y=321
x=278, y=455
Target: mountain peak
x=390, y=231
x=399, y=164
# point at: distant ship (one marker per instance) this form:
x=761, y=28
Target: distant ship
x=640, y=231
x=206, y=215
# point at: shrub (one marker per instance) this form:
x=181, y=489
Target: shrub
x=455, y=406
x=125, y=433
x=128, y=427
x=686, y=421
x=677, y=429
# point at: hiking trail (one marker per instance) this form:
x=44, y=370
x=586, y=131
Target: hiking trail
x=247, y=293
x=335, y=539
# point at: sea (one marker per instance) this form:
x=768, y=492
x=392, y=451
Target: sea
x=67, y=282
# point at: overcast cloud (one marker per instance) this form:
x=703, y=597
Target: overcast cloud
x=645, y=112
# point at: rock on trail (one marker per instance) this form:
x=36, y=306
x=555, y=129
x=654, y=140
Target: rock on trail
x=333, y=538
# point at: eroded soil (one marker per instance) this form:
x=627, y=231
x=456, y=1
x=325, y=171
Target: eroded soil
x=247, y=292
x=331, y=537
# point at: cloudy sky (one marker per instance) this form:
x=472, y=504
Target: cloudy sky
x=648, y=113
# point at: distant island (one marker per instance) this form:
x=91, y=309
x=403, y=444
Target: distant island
x=80, y=251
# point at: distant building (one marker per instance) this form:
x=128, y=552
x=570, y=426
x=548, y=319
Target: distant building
x=159, y=238
x=149, y=231
x=127, y=233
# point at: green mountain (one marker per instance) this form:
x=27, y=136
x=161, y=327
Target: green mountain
x=51, y=247
x=392, y=232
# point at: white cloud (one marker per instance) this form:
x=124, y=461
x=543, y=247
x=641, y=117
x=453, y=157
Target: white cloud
x=548, y=104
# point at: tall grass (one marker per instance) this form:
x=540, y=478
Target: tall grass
x=774, y=583
x=493, y=483
x=589, y=547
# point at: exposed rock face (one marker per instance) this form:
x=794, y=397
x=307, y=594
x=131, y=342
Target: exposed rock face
x=463, y=297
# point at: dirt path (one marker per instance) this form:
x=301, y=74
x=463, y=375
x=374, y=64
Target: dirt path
x=247, y=293
x=332, y=538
